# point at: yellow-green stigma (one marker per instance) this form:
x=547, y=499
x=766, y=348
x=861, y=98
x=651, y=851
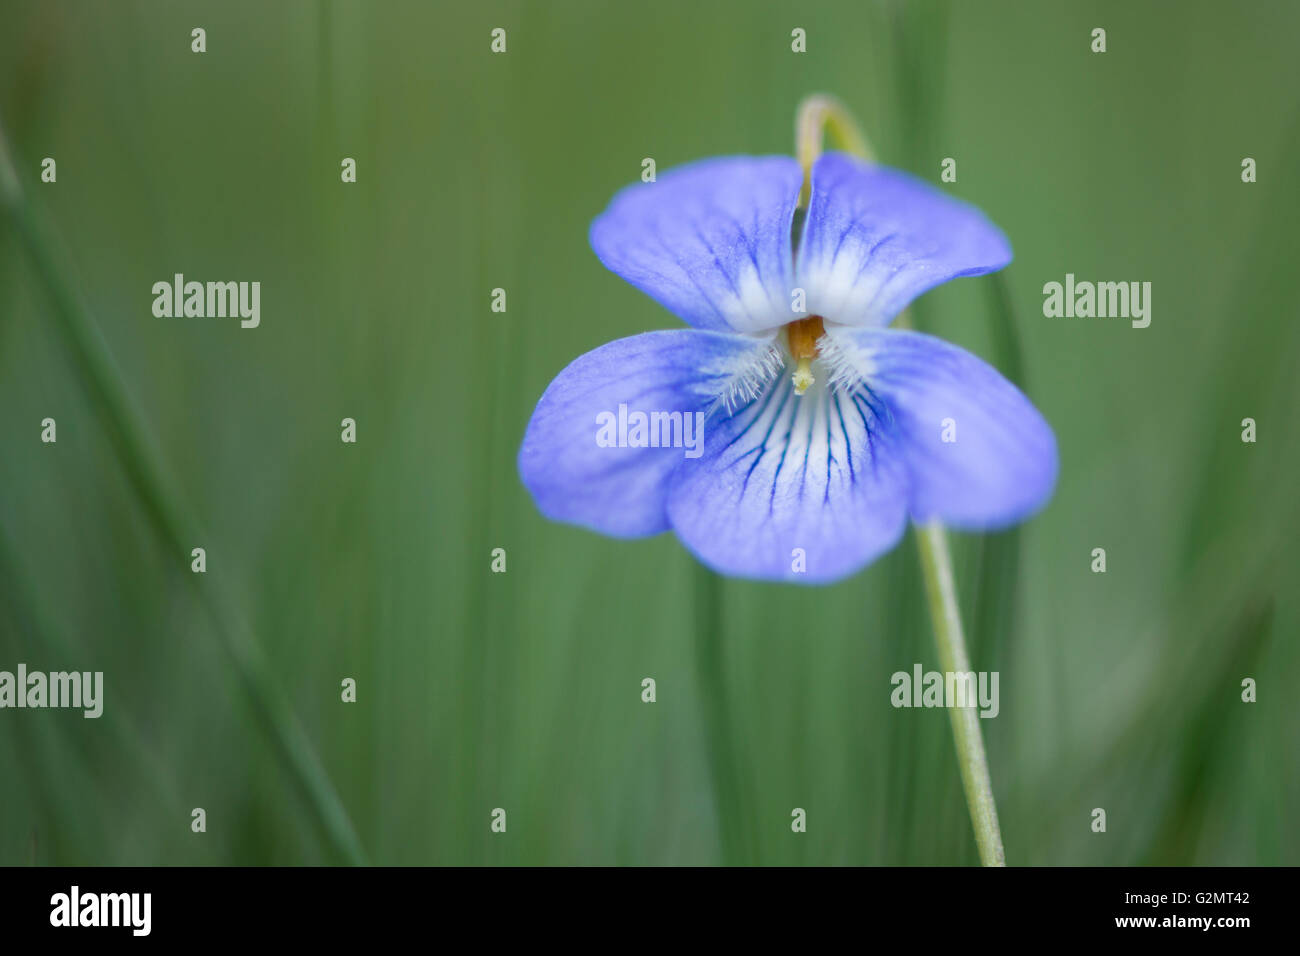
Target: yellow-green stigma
x=802, y=336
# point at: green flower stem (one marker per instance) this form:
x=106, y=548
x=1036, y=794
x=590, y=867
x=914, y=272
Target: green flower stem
x=936, y=566
x=821, y=116
x=126, y=431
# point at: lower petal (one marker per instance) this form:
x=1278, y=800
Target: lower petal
x=583, y=457
x=979, y=454
x=799, y=488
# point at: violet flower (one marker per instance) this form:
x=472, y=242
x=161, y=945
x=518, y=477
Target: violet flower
x=790, y=434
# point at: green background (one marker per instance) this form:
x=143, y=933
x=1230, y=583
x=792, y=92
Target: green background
x=522, y=690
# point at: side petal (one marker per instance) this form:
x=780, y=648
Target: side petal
x=876, y=238
x=709, y=241
x=567, y=461
x=790, y=479
x=979, y=454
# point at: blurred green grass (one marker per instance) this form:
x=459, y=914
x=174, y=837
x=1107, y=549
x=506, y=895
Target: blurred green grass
x=522, y=690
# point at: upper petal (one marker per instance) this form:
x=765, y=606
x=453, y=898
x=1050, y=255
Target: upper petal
x=801, y=488
x=620, y=490
x=709, y=241
x=876, y=238
x=978, y=454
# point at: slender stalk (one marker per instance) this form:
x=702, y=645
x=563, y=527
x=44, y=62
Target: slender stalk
x=936, y=565
x=819, y=116
x=822, y=115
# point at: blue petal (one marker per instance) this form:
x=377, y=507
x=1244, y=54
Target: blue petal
x=815, y=472
x=620, y=491
x=710, y=240
x=1001, y=463
x=876, y=238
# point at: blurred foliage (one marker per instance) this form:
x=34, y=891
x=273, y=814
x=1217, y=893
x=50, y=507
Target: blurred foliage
x=522, y=690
